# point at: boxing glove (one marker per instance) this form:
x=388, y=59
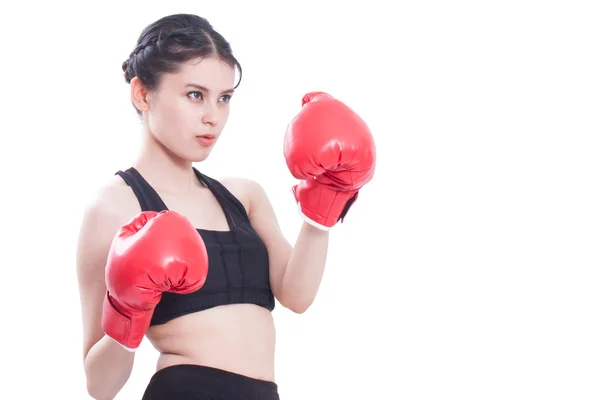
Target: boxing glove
x=332, y=151
x=152, y=254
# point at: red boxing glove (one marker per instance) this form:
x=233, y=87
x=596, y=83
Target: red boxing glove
x=152, y=254
x=331, y=149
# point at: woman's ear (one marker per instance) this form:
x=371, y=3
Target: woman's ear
x=139, y=95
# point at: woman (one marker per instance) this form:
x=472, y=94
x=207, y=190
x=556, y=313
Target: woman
x=211, y=319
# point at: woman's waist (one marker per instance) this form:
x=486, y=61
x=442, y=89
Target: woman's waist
x=237, y=338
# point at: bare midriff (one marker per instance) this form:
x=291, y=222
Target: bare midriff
x=239, y=338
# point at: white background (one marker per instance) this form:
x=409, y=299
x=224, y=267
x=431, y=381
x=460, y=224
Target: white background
x=467, y=269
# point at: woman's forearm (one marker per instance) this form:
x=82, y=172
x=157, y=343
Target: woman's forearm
x=107, y=368
x=305, y=268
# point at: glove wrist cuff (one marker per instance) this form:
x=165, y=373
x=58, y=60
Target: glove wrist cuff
x=322, y=206
x=128, y=331
x=310, y=218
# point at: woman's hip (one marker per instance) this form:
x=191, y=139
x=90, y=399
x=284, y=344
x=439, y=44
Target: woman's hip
x=190, y=381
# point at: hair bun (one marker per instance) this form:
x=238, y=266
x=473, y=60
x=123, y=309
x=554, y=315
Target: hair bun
x=125, y=67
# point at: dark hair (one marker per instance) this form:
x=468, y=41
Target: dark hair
x=171, y=41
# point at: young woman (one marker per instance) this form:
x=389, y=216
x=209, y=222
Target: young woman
x=194, y=263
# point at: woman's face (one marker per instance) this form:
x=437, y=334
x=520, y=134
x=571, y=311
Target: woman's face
x=189, y=109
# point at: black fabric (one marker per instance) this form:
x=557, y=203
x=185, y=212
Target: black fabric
x=238, y=269
x=198, y=382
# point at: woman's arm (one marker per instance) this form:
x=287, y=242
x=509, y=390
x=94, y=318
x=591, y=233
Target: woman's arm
x=107, y=364
x=295, y=272
x=304, y=271
x=107, y=368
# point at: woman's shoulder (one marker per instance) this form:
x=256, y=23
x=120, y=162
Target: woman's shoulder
x=246, y=190
x=111, y=206
x=113, y=203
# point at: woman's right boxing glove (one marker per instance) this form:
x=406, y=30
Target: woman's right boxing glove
x=152, y=254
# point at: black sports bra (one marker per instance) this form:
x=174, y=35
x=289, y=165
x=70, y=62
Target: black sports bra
x=238, y=262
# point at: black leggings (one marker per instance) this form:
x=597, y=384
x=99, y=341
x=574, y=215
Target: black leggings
x=197, y=382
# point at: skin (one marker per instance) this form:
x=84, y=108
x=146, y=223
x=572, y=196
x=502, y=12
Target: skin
x=173, y=116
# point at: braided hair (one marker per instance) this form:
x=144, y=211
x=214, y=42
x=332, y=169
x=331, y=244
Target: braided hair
x=170, y=41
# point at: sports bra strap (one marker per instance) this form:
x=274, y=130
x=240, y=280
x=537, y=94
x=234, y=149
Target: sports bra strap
x=149, y=199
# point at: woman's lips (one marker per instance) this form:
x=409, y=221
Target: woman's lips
x=206, y=140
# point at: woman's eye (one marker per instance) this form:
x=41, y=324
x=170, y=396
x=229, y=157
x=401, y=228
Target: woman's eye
x=199, y=96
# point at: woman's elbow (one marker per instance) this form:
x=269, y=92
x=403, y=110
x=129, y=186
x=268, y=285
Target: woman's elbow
x=299, y=306
x=97, y=392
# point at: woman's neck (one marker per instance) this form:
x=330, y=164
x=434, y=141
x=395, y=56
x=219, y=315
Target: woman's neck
x=164, y=170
